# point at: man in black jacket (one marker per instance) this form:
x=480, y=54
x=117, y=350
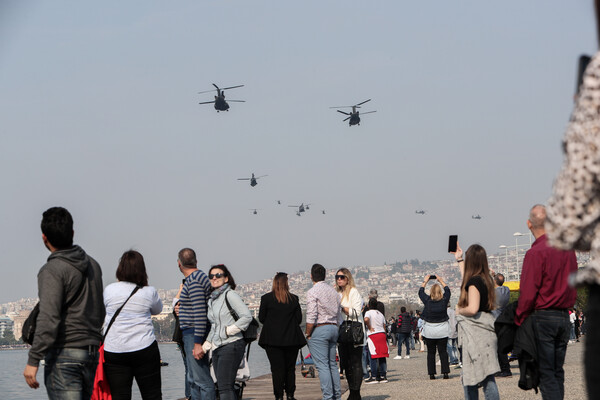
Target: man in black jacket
x=69, y=324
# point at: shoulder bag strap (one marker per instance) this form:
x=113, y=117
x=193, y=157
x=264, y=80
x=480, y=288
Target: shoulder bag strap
x=118, y=311
x=231, y=310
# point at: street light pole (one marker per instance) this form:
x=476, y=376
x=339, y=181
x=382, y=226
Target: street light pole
x=516, y=235
x=505, y=257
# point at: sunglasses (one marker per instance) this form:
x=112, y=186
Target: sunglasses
x=218, y=275
x=341, y=277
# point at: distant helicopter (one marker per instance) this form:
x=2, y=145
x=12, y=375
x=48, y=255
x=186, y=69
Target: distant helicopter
x=476, y=216
x=354, y=115
x=323, y=211
x=278, y=201
x=254, y=210
x=422, y=212
x=301, y=208
x=220, y=103
x=253, y=179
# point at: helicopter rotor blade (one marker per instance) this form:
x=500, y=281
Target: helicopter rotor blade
x=236, y=101
x=243, y=179
x=368, y=112
x=230, y=87
x=342, y=107
x=216, y=86
x=366, y=101
x=262, y=176
x=343, y=112
x=294, y=206
x=344, y=120
x=207, y=102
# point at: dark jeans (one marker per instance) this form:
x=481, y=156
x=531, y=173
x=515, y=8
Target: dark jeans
x=404, y=338
x=226, y=361
x=592, y=341
x=69, y=373
x=351, y=360
x=378, y=368
x=143, y=365
x=503, y=361
x=552, y=332
x=188, y=379
x=440, y=344
x=283, y=369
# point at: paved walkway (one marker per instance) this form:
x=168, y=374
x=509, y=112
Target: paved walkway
x=408, y=379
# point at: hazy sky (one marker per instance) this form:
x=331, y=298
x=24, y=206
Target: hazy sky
x=99, y=113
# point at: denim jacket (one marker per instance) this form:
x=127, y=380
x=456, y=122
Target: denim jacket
x=220, y=318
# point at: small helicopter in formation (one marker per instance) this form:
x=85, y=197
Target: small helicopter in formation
x=253, y=179
x=476, y=216
x=354, y=115
x=422, y=212
x=219, y=101
x=301, y=208
x=254, y=210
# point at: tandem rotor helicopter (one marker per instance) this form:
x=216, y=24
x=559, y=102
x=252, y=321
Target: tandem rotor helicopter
x=301, y=208
x=354, y=115
x=253, y=179
x=219, y=101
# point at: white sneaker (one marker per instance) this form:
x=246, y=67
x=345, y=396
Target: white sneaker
x=407, y=357
x=398, y=358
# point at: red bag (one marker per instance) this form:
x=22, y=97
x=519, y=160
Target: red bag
x=101, y=388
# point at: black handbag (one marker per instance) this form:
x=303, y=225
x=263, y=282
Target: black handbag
x=351, y=332
x=251, y=332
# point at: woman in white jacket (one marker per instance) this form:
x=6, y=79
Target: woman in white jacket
x=350, y=354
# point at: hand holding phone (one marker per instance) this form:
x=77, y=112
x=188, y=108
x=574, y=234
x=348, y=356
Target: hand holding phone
x=432, y=277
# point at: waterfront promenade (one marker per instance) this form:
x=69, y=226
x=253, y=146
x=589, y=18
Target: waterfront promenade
x=408, y=379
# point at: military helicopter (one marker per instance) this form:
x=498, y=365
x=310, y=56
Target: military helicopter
x=323, y=211
x=253, y=179
x=301, y=208
x=476, y=216
x=422, y=212
x=254, y=210
x=220, y=103
x=354, y=115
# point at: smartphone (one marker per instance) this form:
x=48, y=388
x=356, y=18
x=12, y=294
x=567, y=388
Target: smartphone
x=452, y=243
x=432, y=277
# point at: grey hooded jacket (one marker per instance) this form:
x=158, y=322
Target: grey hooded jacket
x=71, y=310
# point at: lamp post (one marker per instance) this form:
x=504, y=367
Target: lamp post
x=505, y=257
x=516, y=235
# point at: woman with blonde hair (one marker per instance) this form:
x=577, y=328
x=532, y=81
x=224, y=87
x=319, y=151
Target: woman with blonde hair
x=476, y=332
x=281, y=336
x=350, y=308
x=436, y=327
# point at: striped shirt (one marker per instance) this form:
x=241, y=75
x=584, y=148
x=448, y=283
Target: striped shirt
x=322, y=304
x=194, y=305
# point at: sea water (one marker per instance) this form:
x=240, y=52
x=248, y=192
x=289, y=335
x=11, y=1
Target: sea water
x=13, y=386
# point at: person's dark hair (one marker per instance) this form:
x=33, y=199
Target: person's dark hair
x=132, y=268
x=223, y=268
x=317, y=273
x=187, y=258
x=372, y=304
x=476, y=264
x=281, y=289
x=57, y=226
x=402, y=310
x=499, y=279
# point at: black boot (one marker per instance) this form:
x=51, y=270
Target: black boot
x=354, y=395
x=290, y=397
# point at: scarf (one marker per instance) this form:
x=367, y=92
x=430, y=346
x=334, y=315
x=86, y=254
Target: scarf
x=217, y=292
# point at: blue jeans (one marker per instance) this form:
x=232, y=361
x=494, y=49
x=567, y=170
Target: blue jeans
x=366, y=360
x=322, y=344
x=69, y=373
x=203, y=387
x=552, y=329
x=378, y=368
x=187, y=384
x=490, y=390
x=411, y=337
x=226, y=361
x=404, y=338
x=452, y=350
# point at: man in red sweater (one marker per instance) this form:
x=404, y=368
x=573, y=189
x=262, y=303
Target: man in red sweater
x=546, y=297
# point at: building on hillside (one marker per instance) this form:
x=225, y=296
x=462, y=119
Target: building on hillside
x=6, y=324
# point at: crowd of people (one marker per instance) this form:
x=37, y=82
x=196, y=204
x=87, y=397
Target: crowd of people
x=76, y=315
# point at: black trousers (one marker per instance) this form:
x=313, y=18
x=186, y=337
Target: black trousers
x=283, y=369
x=503, y=361
x=351, y=361
x=592, y=341
x=440, y=344
x=143, y=365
